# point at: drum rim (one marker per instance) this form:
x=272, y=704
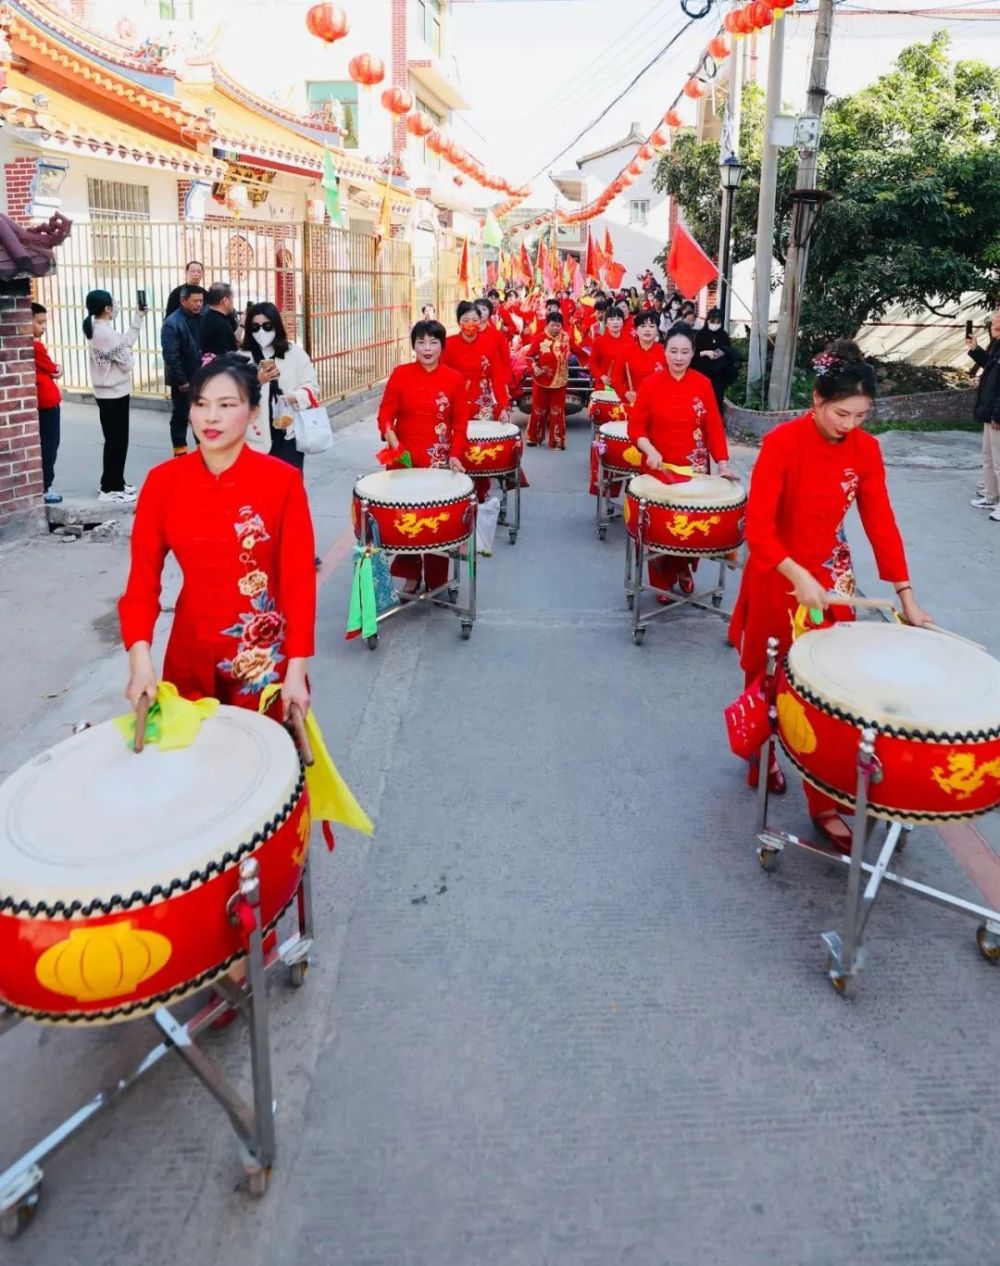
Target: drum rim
x=78, y=909
x=514, y=434
x=840, y=713
x=615, y=422
x=710, y=509
x=415, y=505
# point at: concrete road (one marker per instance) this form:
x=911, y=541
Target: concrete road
x=558, y=1016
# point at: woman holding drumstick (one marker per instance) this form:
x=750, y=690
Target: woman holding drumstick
x=643, y=357
x=809, y=473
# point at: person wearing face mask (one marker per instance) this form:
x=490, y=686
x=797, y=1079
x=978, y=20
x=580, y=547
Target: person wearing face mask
x=715, y=356
x=284, y=369
x=472, y=354
x=810, y=472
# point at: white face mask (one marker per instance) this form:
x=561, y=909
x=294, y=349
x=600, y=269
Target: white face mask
x=715, y=325
x=264, y=339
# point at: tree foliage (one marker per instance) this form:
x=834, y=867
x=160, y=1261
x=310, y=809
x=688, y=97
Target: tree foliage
x=913, y=163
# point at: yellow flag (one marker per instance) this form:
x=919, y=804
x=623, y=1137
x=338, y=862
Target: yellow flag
x=384, y=223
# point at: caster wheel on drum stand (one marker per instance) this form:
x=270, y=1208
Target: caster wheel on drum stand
x=453, y=594
x=513, y=536
x=373, y=641
x=638, y=636
x=466, y=630
x=258, y=1180
x=716, y=600
x=17, y=1217
x=768, y=858
x=602, y=533
x=989, y=943
x=297, y=973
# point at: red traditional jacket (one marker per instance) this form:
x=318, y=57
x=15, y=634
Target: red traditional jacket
x=680, y=418
x=428, y=410
x=244, y=542
x=606, y=352
x=640, y=365
x=552, y=358
x=482, y=370
x=802, y=488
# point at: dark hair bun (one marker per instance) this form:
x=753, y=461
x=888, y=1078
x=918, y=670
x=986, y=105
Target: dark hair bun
x=842, y=371
x=241, y=370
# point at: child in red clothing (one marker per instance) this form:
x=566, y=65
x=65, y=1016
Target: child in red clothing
x=49, y=402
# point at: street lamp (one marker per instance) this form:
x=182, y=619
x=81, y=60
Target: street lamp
x=730, y=175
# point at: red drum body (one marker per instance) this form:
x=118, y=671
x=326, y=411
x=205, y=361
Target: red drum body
x=417, y=510
x=618, y=453
x=493, y=449
x=606, y=406
x=933, y=701
x=700, y=518
x=117, y=869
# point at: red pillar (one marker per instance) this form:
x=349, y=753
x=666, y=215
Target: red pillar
x=400, y=70
x=20, y=446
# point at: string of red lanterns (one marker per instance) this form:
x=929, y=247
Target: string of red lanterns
x=328, y=22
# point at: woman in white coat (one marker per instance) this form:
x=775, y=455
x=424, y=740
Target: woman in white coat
x=285, y=370
x=109, y=354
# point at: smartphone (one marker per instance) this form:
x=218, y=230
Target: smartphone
x=968, y=329
x=140, y=300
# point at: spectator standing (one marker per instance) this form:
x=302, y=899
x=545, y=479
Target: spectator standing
x=194, y=275
x=715, y=356
x=109, y=355
x=218, y=328
x=987, y=410
x=283, y=369
x=180, y=341
x=49, y=402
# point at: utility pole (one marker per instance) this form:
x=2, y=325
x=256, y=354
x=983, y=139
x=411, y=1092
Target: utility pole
x=804, y=217
x=757, y=359
x=729, y=143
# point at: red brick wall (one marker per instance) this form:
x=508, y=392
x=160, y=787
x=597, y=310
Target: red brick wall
x=183, y=187
x=18, y=175
x=400, y=70
x=20, y=451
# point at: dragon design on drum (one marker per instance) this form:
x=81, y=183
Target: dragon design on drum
x=684, y=527
x=965, y=776
x=411, y=524
x=477, y=454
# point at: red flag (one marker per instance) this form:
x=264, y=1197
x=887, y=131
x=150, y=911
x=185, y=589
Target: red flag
x=601, y=258
x=525, y=265
x=463, y=267
x=550, y=282
x=592, y=265
x=614, y=273
x=576, y=273
x=491, y=275
x=688, y=265
x=540, y=258
x=609, y=246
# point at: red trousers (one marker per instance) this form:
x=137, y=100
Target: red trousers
x=431, y=568
x=665, y=572
x=548, y=415
x=817, y=801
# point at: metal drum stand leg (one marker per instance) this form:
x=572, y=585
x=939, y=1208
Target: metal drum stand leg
x=502, y=521
x=21, y=1183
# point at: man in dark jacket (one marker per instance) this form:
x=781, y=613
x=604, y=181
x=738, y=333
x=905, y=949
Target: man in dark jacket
x=987, y=410
x=180, y=339
x=218, y=326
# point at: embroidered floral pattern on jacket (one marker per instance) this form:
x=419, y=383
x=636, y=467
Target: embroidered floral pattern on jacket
x=698, y=457
x=261, y=630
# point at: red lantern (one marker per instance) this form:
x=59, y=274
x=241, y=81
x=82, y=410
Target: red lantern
x=659, y=138
x=328, y=22
x=435, y=141
x=760, y=14
x=748, y=27
x=419, y=124
x=397, y=100
x=367, y=70
x=456, y=155
x=672, y=118
x=731, y=22
x=646, y=152
x=781, y=5
x=718, y=48
x=635, y=167
x=694, y=89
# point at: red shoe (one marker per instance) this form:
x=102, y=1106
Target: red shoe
x=835, y=831
x=686, y=584
x=776, y=783
x=664, y=599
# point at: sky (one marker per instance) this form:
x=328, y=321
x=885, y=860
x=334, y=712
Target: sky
x=538, y=72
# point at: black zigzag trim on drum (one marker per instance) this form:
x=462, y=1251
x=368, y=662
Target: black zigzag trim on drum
x=655, y=548
x=882, y=811
x=683, y=509
x=413, y=505
x=148, y=1005
x=80, y=909
x=922, y=736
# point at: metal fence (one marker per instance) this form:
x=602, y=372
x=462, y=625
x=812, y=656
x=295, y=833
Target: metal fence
x=351, y=306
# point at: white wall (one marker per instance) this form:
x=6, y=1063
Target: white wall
x=635, y=245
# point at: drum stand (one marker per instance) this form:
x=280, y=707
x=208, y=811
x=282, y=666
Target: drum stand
x=445, y=595
x=253, y=1123
x=512, y=526
x=607, y=505
x=637, y=555
x=845, y=953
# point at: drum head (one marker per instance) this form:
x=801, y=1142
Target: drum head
x=614, y=430
x=483, y=432
x=700, y=493
x=419, y=486
x=90, y=820
x=896, y=677
x=606, y=396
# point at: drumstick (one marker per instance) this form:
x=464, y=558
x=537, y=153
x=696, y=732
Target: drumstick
x=298, y=725
x=869, y=604
x=628, y=377
x=141, y=713
x=936, y=628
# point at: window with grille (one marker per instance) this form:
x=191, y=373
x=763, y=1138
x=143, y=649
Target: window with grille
x=638, y=211
x=429, y=23
x=119, y=214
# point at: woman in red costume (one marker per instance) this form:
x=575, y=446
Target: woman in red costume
x=425, y=411
x=473, y=355
x=609, y=348
x=238, y=523
x=676, y=425
x=809, y=473
x=644, y=357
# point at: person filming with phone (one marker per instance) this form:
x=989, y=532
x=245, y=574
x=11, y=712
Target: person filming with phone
x=109, y=358
x=285, y=372
x=987, y=410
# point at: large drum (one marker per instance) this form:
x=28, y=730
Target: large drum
x=417, y=510
x=116, y=869
x=618, y=453
x=606, y=405
x=933, y=700
x=493, y=449
x=702, y=517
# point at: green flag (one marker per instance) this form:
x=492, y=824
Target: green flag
x=492, y=234
x=331, y=187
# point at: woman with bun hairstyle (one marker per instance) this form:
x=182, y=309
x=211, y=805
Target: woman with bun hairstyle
x=238, y=523
x=810, y=472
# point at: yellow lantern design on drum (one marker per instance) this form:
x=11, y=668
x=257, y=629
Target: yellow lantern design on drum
x=95, y=964
x=632, y=456
x=794, y=725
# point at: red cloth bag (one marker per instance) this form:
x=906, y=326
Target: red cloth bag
x=747, y=722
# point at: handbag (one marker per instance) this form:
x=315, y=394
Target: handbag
x=311, y=427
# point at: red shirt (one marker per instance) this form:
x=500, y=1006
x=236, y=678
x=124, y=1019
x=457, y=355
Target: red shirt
x=681, y=419
x=428, y=410
x=45, y=371
x=244, y=541
x=552, y=358
x=640, y=365
x=481, y=368
x=606, y=352
x=496, y=339
x=802, y=488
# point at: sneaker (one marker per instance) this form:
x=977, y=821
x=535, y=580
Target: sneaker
x=130, y=488
x=995, y=516
x=52, y=498
x=121, y=498
x=984, y=503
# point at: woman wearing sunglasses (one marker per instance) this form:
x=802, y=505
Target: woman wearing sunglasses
x=285, y=371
